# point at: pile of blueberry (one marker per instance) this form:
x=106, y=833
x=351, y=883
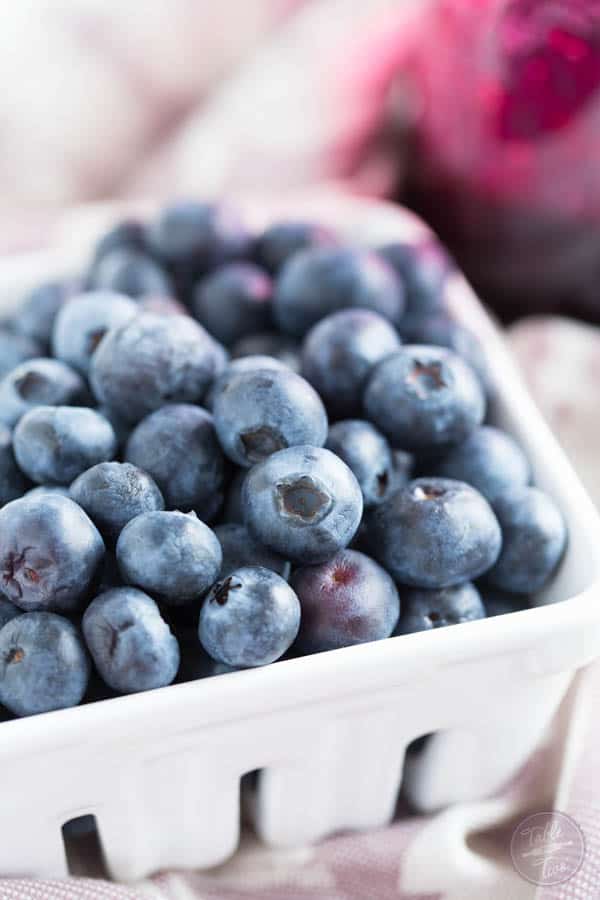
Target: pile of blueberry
x=217, y=449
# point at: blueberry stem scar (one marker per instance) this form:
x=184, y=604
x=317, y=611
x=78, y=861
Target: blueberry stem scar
x=426, y=377
x=221, y=591
x=302, y=499
x=428, y=492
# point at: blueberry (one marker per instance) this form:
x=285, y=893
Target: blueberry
x=36, y=317
x=43, y=664
x=114, y=493
x=489, y=460
x=241, y=549
x=282, y=240
x=424, y=398
x=250, y=618
x=171, y=554
x=234, y=301
x=131, y=644
x=339, y=352
x=178, y=447
x=303, y=502
x=261, y=412
x=534, y=538
x=55, y=444
x=130, y=272
x=50, y=552
x=347, y=600
x=8, y=611
x=424, y=270
x=269, y=343
x=435, y=533
x=153, y=360
x=82, y=323
x=499, y=603
x=15, y=349
x=199, y=235
x=368, y=454
x=316, y=283
x=423, y=610
x=233, y=368
x=38, y=382
x=440, y=330
x=13, y=483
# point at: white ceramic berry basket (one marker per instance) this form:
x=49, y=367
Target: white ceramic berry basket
x=161, y=771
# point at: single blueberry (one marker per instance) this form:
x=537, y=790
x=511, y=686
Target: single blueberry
x=435, y=533
x=130, y=272
x=151, y=361
x=303, y=502
x=250, y=618
x=15, y=349
x=50, y=552
x=261, y=412
x=489, y=460
x=178, y=447
x=171, y=554
x=55, y=444
x=82, y=323
x=131, y=644
x=340, y=351
x=347, y=600
x=424, y=398
x=499, y=603
x=13, y=483
x=423, y=610
x=240, y=549
x=234, y=301
x=316, y=283
x=233, y=368
x=534, y=538
x=198, y=235
x=367, y=453
x=439, y=330
x=280, y=241
x=38, y=382
x=269, y=343
x=35, y=318
x=114, y=493
x=8, y=611
x=423, y=270
x=43, y=664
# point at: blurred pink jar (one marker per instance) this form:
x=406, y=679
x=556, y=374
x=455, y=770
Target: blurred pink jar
x=488, y=113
